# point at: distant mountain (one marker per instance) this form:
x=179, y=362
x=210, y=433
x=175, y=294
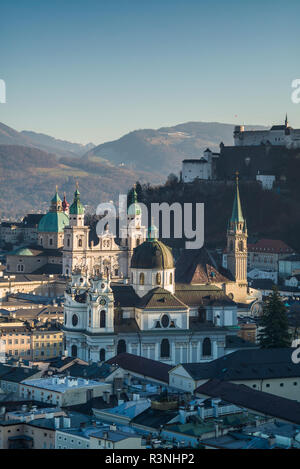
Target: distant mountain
x=9, y=136
x=164, y=149
x=61, y=148
x=28, y=177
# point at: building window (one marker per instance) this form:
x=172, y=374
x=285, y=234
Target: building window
x=74, y=320
x=165, y=320
x=158, y=278
x=206, y=347
x=171, y=278
x=50, y=242
x=165, y=348
x=74, y=351
x=121, y=348
x=102, y=355
x=102, y=318
x=142, y=279
x=80, y=243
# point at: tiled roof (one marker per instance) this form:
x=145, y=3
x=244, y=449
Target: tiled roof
x=159, y=298
x=197, y=295
x=270, y=245
x=244, y=396
x=198, y=267
x=143, y=366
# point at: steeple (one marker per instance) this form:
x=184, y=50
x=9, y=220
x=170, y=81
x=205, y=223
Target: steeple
x=152, y=232
x=56, y=205
x=286, y=122
x=237, y=240
x=134, y=207
x=76, y=207
x=237, y=214
x=65, y=204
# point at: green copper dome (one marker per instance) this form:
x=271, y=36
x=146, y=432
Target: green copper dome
x=53, y=222
x=77, y=207
x=152, y=254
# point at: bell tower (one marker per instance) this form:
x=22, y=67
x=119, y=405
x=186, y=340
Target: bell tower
x=237, y=241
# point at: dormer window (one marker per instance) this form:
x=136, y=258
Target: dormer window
x=142, y=278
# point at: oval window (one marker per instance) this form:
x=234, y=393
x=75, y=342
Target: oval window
x=165, y=321
x=74, y=320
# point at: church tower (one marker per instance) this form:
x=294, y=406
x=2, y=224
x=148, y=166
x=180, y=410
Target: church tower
x=76, y=237
x=237, y=241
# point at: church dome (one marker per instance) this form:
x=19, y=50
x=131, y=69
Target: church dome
x=152, y=254
x=53, y=222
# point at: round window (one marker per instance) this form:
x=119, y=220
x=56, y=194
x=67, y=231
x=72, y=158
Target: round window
x=74, y=320
x=165, y=321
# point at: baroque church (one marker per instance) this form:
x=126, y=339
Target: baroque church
x=173, y=313
x=63, y=243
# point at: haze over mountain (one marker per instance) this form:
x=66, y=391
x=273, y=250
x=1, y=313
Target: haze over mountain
x=10, y=136
x=31, y=164
x=164, y=149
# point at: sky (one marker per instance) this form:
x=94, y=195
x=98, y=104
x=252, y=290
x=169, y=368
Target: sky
x=93, y=70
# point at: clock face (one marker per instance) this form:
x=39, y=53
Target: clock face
x=102, y=302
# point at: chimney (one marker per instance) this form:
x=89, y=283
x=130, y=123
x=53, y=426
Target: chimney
x=201, y=411
x=272, y=441
x=217, y=430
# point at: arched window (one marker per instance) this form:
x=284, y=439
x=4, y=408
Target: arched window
x=74, y=320
x=103, y=318
x=165, y=348
x=206, y=347
x=158, y=278
x=241, y=246
x=68, y=242
x=142, y=279
x=171, y=278
x=121, y=348
x=66, y=318
x=74, y=351
x=80, y=243
x=67, y=271
x=102, y=355
x=90, y=318
x=50, y=242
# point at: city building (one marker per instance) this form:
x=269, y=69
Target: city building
x=62, y=390
x=202, y=168
x=277, y=135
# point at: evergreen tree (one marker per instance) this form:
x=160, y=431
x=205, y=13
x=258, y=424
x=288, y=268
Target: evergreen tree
x=274, y=323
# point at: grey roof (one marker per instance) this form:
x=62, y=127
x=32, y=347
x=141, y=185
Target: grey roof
x=143, y=366
x=244, y=396
x=18, y=374
x=247, y=364
x=154, y=418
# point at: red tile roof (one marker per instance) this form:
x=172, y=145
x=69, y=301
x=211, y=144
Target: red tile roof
x=270, y=245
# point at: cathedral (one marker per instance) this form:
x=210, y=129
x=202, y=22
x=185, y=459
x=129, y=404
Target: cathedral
x=172, y=313
x=63, y=243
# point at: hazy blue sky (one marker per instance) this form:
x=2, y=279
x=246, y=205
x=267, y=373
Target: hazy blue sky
x=92, y=70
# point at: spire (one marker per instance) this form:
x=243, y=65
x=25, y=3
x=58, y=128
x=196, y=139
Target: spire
x=65, y=204
x=56, y=202
x=76, y=207
x=286, y=120
x=152, y=232
x=237, y=215
x=134, y=207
